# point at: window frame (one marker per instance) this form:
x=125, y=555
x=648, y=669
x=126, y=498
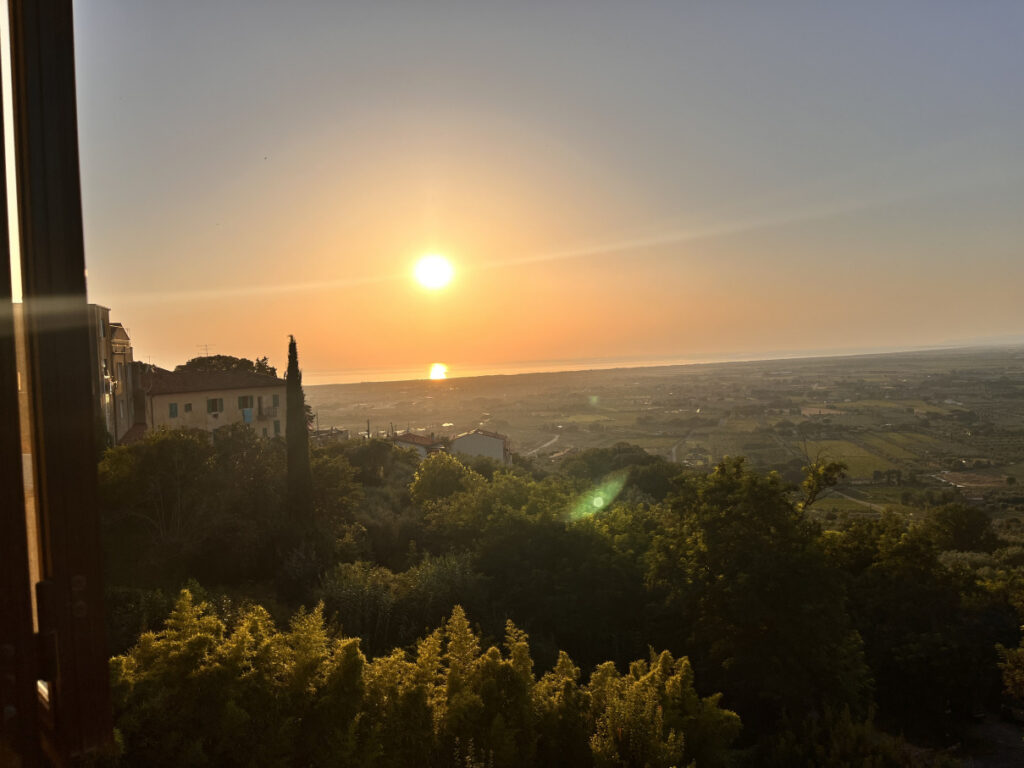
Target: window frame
x=59, y=668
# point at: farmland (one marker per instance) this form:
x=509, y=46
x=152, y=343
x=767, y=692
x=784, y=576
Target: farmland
x=905, y=422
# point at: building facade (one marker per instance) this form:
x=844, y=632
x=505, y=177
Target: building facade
x=480, y=442
x=211, y=400
x=110, y=362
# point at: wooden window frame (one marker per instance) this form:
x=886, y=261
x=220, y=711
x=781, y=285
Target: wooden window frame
x=64, y=643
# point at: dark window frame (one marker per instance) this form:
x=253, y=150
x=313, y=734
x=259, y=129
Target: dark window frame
x=57, y=705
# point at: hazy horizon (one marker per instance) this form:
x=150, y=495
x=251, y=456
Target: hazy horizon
x=661, y=181
x=516, y=368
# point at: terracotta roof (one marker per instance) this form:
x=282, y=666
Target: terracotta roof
x=409, y=437
x=161, y=382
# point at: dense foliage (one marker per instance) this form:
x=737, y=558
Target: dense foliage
x=206, y=692
x=820, y=641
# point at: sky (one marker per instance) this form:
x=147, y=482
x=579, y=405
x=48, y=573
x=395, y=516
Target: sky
x=613, y=182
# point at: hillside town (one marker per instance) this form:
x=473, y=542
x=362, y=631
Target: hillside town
x=133, y=398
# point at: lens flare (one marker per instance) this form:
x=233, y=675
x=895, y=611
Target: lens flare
x=439, y=371
x=599, y=497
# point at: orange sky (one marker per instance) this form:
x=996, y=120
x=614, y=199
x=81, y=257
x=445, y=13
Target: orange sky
x=689, y=190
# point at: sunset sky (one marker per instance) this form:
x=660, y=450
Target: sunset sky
x=612, y=181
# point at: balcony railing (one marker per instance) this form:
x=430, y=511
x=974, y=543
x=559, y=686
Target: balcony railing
x=267, y=412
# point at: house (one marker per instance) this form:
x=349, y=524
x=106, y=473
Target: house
x=480, y=442
x=422, y=444
x=209, y=400
x=110, y=363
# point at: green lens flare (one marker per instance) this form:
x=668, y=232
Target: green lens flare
x=599, y=497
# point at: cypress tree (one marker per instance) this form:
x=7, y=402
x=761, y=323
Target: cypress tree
x=300, y=479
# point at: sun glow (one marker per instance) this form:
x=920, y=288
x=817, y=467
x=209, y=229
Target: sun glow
x=434, y=271
x=439, y=371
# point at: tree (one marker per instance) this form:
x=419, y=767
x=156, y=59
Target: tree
x=1012, y=665
x=300, y=478
x=335, y=489
x=226, y=364
x=161, y=482
x=746, y=589
x=262, y=365
x=819, y=476
x=929, y=631
x=209, y=689
x=439, y=476
x=961, y=528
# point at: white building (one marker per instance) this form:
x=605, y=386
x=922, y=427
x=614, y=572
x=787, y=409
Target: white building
x=480, y=442
x=214, y=399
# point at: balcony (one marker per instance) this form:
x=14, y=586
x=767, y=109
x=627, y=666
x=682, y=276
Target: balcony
x=267, y=412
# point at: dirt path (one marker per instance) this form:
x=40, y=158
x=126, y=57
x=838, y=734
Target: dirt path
x=552, y=441
x=875, y=507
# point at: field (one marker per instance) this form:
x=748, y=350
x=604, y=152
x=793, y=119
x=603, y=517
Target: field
x=896, y=419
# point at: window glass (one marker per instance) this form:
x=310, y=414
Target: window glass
x=574, y=192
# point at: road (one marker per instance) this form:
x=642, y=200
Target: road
x=875, y=507
x=552, y=441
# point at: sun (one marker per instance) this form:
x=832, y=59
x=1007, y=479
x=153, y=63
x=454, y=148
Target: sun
x=434, y=271
x=439, y=371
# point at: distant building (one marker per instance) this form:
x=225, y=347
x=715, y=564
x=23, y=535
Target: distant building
x=422, y=444
x=480, y=442
x=110, y=363
x=211, y=400
x=327, y=436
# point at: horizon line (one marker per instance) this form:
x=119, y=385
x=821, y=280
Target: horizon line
x=586, y=365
